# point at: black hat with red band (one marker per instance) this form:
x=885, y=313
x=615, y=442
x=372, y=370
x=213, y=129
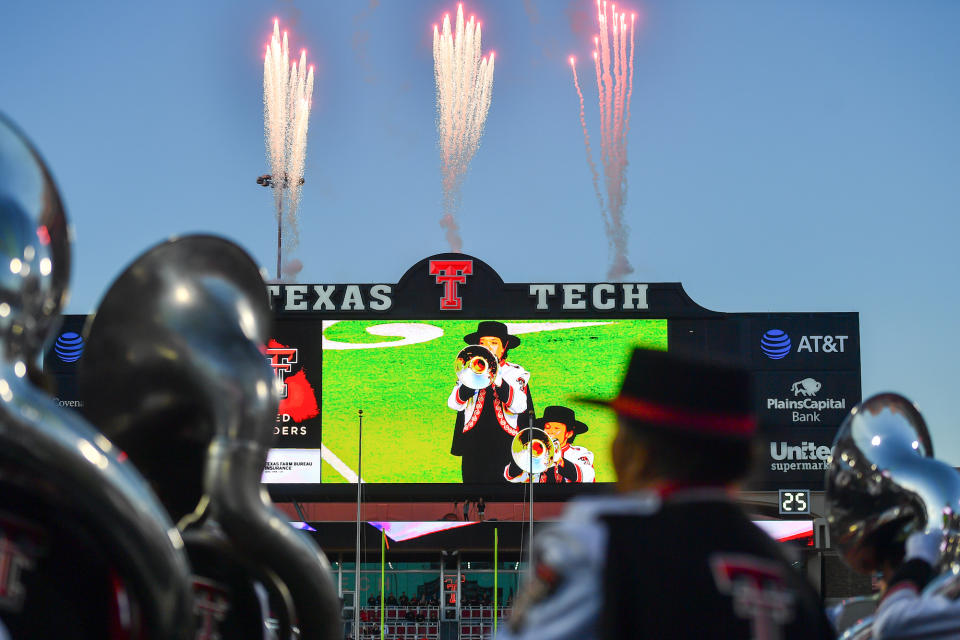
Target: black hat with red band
x=685, y=395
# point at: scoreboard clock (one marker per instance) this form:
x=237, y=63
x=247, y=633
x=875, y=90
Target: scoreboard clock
x=794, y=501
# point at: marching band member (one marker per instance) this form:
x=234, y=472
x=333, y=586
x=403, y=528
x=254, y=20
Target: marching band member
x=487, y=419
x=671, y=555
x=915, y=550
x=570, y=463
x=905, y=611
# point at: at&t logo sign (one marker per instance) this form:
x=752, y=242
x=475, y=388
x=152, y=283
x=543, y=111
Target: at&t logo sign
x=69, y=346
x=776, y=344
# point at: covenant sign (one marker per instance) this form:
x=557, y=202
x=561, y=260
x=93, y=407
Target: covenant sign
x=388, y=349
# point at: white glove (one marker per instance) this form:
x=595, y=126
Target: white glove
x=557, y=453
x=499, y=378
x=925, y=545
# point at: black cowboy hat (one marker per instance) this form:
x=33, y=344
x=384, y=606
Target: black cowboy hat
x=562, y=415
x=493, y=329
x=685, y=394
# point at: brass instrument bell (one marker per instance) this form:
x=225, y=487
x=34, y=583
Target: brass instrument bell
x=533, y=450
x=476, y=367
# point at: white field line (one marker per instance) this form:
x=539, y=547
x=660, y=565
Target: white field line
x=339, y=465
x=411, y=332
x=417, y=332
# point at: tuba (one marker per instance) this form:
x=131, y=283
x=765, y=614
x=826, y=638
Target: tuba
x=476, y=367
x=533, y=450
x=87, y=535
x=174, y=371
x=883, y=484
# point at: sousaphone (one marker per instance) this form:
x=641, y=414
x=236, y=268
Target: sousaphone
x=83, y=534
x=884, y=484
x=175, y=371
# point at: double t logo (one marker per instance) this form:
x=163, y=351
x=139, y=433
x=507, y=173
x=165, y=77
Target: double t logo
x=450, y=273
x=759, y=590
x=282, y=360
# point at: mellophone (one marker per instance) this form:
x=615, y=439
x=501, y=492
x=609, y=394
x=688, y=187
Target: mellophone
x=144, y=518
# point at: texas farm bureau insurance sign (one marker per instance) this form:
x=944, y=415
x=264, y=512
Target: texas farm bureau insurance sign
x=806, y=368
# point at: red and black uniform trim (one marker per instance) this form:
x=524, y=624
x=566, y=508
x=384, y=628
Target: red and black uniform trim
x=497, y=409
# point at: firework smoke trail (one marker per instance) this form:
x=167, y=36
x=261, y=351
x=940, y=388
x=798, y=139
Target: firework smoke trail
x=586, y=144
x=287, y=98
x=464, y=83
x=613, y=64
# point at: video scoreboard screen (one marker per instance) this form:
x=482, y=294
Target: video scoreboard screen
x=389, y=350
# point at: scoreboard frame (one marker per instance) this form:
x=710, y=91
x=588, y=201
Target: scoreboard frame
x=806, y=366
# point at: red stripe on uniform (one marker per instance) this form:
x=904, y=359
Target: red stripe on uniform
x=706, y=423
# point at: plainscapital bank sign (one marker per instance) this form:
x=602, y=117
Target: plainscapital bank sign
x=389, y=348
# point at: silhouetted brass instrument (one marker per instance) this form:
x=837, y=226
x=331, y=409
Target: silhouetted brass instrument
x=476, y=367
x=86, y=543
x=883, y=484
x=533, y=450
x=174, y=370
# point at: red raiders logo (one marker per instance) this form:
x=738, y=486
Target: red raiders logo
x=282, y=360
x=299, y=399
x=451, y=273
x=210, y=606
x=759, y=592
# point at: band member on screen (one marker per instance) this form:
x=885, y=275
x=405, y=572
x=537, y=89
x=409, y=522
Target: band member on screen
x=488, y=419
x=570, y=462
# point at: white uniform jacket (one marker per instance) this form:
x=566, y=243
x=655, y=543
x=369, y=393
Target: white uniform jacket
x=904, y=613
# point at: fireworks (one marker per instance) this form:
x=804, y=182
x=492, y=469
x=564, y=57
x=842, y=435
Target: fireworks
x=613, y=64
x=287, y=97
x=464, y=89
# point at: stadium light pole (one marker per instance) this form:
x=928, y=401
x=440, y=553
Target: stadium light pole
x=266, y=180
x=530, y=480
x=356, y=580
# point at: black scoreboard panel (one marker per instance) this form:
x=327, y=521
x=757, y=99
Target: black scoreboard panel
x=389, y=348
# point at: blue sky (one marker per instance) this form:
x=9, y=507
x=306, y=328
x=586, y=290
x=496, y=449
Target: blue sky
x=784, y=156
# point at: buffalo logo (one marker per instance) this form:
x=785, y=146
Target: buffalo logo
x=775, y=344
x=759, y=592
x=451, y=273
x=807, y=387
x=69, y=346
